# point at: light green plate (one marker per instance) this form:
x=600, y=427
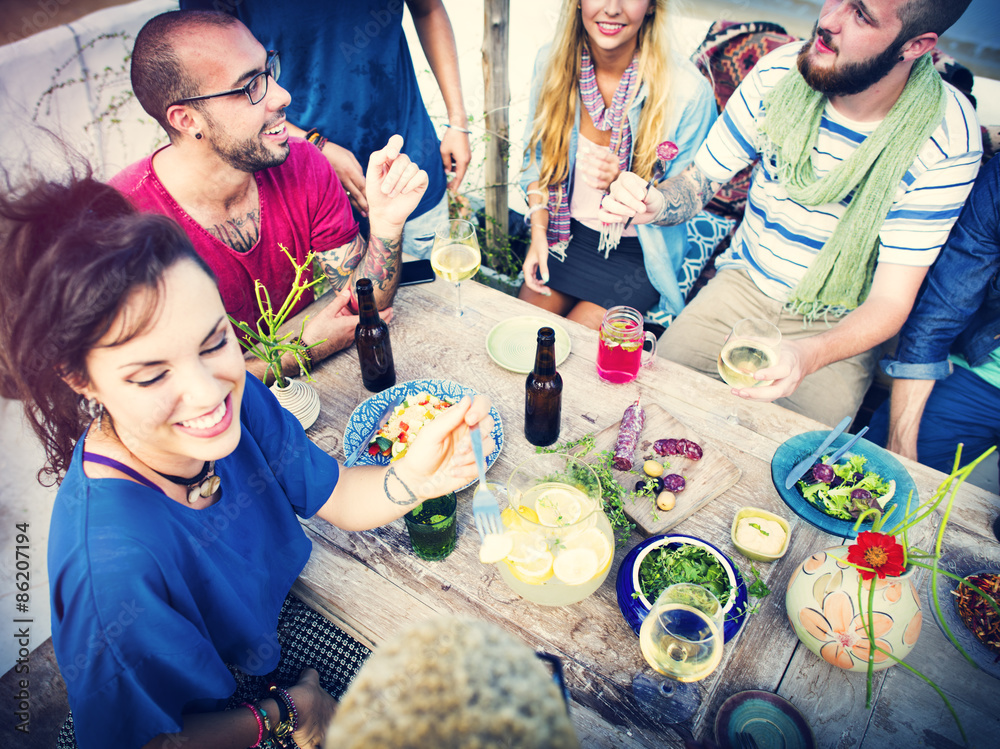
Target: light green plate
x=512, y=343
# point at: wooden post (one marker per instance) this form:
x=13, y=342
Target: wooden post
x=496, y=82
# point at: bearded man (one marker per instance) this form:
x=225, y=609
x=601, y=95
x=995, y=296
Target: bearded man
x=864, y=160
x=243, y=189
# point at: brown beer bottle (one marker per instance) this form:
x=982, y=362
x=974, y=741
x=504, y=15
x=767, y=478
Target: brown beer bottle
x=371, y=336
x=543, y=393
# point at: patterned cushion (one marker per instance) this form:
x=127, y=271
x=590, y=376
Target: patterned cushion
x=729, y=52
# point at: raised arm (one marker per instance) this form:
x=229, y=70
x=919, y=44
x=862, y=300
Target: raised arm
x=672, y=202
x=438, y=42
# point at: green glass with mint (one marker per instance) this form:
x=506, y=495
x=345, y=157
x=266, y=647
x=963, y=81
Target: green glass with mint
x=433, y=527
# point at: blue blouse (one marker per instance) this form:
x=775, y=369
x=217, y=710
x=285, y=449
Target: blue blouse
x=151, y=599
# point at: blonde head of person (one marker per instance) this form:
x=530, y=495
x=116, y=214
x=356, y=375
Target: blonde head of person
x=450, y=683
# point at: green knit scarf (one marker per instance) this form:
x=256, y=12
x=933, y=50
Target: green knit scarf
x=840, y=276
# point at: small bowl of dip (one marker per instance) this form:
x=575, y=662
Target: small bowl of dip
x=760, y=535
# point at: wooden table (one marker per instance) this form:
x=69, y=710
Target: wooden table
x=372, y=584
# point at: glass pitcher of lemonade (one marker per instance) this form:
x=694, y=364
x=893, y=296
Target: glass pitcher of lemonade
x=561, y=542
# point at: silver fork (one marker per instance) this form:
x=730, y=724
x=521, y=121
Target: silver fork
x=745, y=740
x=485, y=511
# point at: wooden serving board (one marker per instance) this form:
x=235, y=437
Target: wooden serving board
x=706, y=478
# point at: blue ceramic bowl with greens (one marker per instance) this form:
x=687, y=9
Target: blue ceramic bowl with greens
x=635, y=607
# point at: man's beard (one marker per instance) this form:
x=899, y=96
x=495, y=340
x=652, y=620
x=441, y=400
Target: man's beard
x=847, y=78
x=250, y=155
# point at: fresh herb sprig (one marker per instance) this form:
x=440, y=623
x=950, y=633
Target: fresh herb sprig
x=611, y=492
x=668, y=566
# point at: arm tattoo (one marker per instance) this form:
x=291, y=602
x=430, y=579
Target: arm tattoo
x=378, y=259
x=410, y=496
x=239, y=233
x=684, y=196
x=339, y=263
x=381, y=262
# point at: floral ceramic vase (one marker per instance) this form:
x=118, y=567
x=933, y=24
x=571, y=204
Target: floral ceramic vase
x=824, y=610
x=300, y=398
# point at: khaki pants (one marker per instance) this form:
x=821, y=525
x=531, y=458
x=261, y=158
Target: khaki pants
x=696, y=337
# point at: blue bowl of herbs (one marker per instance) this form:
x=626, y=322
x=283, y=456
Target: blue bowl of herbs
x=663, y=560
x=831, y=498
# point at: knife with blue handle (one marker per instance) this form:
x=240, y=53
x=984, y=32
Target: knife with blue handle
x=366, y=440
x=847, y=446
x=804, y=465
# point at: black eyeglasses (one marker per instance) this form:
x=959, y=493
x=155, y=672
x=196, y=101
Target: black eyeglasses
x=256, y=87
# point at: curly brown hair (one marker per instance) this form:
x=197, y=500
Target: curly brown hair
x=72, y=255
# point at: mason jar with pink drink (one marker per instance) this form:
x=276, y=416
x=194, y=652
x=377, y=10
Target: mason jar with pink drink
x=620, y=348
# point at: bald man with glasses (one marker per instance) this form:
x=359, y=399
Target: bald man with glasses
x=243, y=189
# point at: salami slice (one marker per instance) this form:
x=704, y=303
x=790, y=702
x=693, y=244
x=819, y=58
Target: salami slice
x=633, y=420
x=666, y=447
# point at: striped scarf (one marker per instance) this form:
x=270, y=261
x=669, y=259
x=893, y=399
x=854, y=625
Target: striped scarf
x=604, y=118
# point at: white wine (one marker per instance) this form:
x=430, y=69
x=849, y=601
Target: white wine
x=455, y=262
x=740, y=358
x=681, y=642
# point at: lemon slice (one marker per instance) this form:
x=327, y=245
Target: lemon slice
x=495, y=547
x=594, y=540
x=511, y=519
x=535, y=572
x=526, y=548
x=576, y=566
x=559, y=506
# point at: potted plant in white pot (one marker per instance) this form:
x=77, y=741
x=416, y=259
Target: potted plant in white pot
x=269, y=344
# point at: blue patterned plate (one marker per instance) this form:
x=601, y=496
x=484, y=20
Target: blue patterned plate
x=366, y=415
x=878, y=459
x=635, y=609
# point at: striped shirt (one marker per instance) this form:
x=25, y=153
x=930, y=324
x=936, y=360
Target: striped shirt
x=778, y=237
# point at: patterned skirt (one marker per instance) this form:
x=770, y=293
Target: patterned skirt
x=308, y=640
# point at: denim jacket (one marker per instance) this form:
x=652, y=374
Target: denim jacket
x=958, y=308
x=663, y=247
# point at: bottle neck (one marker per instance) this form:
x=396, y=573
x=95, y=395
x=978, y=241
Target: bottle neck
x=545, y=358
x=367, y=310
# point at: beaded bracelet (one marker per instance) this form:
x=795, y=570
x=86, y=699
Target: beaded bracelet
x=460, y=129
x=289, y=719
x=539, y=193
x=314, y=137
x=260, y=723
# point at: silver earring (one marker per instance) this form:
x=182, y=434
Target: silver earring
x=95, y=409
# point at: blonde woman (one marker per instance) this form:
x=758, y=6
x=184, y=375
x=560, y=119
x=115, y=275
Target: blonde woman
x=604, y=94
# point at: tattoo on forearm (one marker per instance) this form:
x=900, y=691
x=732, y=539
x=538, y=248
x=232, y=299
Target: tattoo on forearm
x=381, y=261
x=338, y=264
x=684, y=197
x=239, y=233
x=410, y=496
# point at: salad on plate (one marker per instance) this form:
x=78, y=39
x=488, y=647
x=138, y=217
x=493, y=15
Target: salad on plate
x=845, y=490
x=405, y=422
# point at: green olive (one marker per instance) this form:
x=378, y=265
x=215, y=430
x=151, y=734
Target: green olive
x=666, y=500
x=652, y=468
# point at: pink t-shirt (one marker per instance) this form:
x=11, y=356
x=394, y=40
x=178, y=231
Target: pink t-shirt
x=303, y=206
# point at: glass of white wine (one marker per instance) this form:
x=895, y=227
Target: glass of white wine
x=682, y=638
x=455, y=255
x=752, y=344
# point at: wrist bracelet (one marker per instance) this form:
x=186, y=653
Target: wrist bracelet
x=260, y=723
x=314, y=137
x=289, y=717
x=460, y=129
x=533, y=209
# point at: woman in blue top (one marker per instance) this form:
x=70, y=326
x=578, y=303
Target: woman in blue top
x=603, y=96
x=112, y=328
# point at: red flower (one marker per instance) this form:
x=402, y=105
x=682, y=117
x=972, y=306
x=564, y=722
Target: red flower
x=879, y=552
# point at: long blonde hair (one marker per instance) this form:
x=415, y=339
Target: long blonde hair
x=555, y=112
